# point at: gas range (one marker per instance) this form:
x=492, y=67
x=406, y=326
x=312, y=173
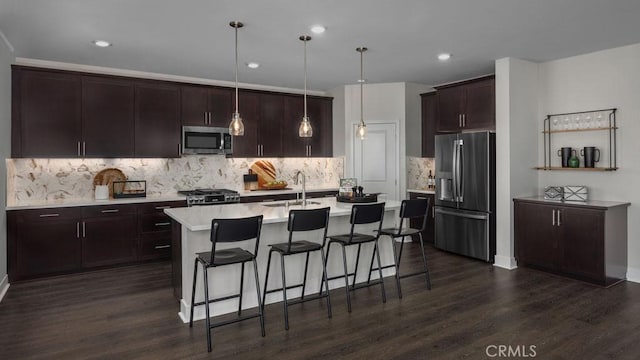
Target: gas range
x=210, y=196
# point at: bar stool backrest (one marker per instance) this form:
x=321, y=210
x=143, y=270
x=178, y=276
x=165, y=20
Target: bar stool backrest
x=414, y=208
x=233, y=230
x=308, y=220
x=366, y=214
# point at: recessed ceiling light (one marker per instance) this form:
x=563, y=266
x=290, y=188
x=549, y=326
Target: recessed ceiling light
x=318, y=29
x=253, y=65
x=101, y=43
x=444, y=56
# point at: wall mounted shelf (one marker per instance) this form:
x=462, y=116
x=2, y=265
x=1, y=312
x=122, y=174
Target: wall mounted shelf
x=580, y=125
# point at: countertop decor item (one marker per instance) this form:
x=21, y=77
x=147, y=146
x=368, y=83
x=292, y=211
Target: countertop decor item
x=265, y=170
x=107, y=177
x=129, y=189
x=576, y=193
x=554, y=193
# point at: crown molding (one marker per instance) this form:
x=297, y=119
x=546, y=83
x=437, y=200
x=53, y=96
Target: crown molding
x=155, y=76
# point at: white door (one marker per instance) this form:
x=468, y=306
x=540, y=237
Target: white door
x=375, y=160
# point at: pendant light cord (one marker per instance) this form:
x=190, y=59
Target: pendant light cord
x=236, y=69
x=305, y=80
x=361, y=89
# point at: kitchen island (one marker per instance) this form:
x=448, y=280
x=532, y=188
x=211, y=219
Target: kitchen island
x=192, y=228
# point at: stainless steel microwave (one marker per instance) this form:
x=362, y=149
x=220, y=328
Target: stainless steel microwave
x=206, y=140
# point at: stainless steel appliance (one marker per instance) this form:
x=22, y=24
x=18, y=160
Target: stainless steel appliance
x=465, y=194
x=206, y=140
x=210, y=196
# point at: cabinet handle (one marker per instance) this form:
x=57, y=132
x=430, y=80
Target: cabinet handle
x=309, y=150
x=109, y=211
x=261, y=150
x=433, y=212
x=49, y=215
x=558, y=218
x=78, y=230
x=162, y=207
x=460, y=120
x=464, y=120
x=84, y=148
x=330, y=195
x=210, y=121
x=553, y=217
x=163, y=224
x=421, y=197
x=78, y=148
x=161, y=247
x=179, y=149
x=84, y=232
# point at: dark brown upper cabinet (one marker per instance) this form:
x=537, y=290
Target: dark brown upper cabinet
x=429, y=116
x=107, y=117
x=247, y=145
x=46, y=114
x=270, y=126
x=319, y=111
x=468, y=105
x=206, y=105
x=157, y=123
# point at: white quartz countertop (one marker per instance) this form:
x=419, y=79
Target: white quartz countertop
x=290, y=190
x=597, y=204
x=59, y=203
x=421, y=191
x=198, y=218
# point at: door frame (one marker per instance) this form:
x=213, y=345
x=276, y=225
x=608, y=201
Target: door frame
x=398, y=157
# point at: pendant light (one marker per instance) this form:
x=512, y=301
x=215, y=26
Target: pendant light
x=362, y=128
x=236, y=127
x=305, y=129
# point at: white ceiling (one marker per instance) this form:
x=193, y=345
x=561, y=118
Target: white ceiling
x=193, y=38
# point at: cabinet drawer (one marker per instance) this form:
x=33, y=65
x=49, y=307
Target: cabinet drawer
x=108, y=210
x=319, y=194
x=265, y=198
x=151, y=223
x=38, y=215
x=158, y=207
x=154, y=247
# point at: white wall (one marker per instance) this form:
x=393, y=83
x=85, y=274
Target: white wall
x=516, y=146
x=338, y=120
x=397, y=103
x=604, y=79
x=6, y=59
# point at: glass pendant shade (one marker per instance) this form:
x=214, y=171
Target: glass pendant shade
x=236, y=128
x=305, y=129
x=362, y=131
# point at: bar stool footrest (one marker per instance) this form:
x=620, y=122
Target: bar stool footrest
x=280, y=289
x=413, y=274
x=217, y=299
x=231, y=321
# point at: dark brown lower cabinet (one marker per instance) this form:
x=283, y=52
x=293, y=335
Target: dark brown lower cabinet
x=108, y=235
x=289, y=196
x=45, y=242
x=428, y=234
x=576, y=240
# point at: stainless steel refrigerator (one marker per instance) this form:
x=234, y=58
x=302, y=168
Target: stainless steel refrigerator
x=465, y=194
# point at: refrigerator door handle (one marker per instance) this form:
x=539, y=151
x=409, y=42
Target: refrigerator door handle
x=455, y=213
x=454, y=170
x=460, y=172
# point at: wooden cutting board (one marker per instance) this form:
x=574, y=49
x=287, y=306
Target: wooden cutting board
x=265, y=170
x=107, y=177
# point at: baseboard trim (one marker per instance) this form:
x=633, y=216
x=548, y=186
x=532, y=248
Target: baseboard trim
x=633, y=275
x=4, y=286
x=505, y=262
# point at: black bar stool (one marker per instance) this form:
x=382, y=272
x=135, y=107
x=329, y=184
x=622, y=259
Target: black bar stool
x=360, y=215
x=300, y=220
x=228, y=230
x=409, y=209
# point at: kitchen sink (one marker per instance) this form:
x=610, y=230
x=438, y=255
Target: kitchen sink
x=291, y=203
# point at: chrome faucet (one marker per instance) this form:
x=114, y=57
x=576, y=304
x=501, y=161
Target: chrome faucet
x=304, y=190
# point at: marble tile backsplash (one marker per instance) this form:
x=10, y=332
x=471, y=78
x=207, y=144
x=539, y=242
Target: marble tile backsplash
x=418, y=171
x=51, y=179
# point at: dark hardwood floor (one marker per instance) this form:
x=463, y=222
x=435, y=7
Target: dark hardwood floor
x=130, y=313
